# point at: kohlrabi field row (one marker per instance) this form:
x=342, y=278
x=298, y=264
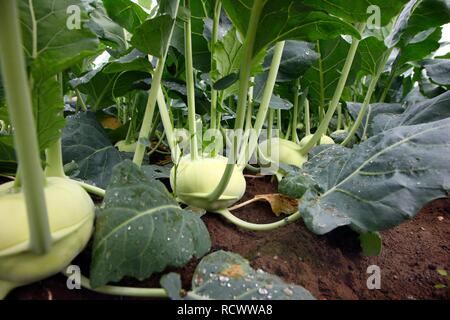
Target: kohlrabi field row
x=125, y=124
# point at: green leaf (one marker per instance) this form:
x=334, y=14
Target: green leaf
x=371, y=243
x=440, y=286
x=438, y=70
x=153, y=36
x=380, y=183
x=226, y=81
x=425, y=112
x=358, y=11
x=323, y=76
x=371, y=51
x=106, y=29
x=55, y=47
x=48, y=106
x=227, y=276
x=386, y=111
x=286, y=20
x=417, y=50
x=103, y=87
x=141, y=229
x=418, y=16
x=126, y=13
x=131, y=61
x=85, y=142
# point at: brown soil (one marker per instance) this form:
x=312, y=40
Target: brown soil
x=330, y=266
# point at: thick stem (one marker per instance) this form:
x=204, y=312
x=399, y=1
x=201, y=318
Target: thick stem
x=367, y=98
x=168, y=127
x=307, y=117
x=55, y=166
x=190, y=84
x=294, y=137
x=337, y=94
x=149, y=112
x=258, y=227
x=21, y=113
x=151, y=103
x=265, y=101
x=246, y=63
x=269, y=131
x=80, y=100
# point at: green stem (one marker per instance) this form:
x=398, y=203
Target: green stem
x=190, y=84
x=367, y=98
x=388, y=86
x=246, y=63
x=168, y=127
x=294, y=137
x=21, y=112
x=91, y=189
x=248, y=120
x=321, y=85
x=125, y=291
x=307, y=117
x=55, y=166
x=151, y=103
x=149, y=113
x=265, y=101
x=80, y=100
x=337, y=94
x=258, y=227
x=214, y=93
x=269, y=131
x=339, y=119
x=279, y=127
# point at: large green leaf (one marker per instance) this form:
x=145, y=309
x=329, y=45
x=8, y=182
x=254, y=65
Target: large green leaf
x=102, y=87
x=109, y=32
x=286, y=19
x=323, y=76
x=227, y=276
x=298, y=56
x=380, y=183
x=126, y=13
x=141, y=229
x=48, y=42
x=418, y=48
x=425, y=112
x=371, y=51
x=386, y=111
x=438, y=70
x=418, y=16
x=153, y=36
x=85, y=142
x=358, y=10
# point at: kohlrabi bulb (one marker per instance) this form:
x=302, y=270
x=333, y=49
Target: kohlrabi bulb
x=71, y=216
x=324, y=140
x=194, y=180
x=124, y=147
x=282, y=151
